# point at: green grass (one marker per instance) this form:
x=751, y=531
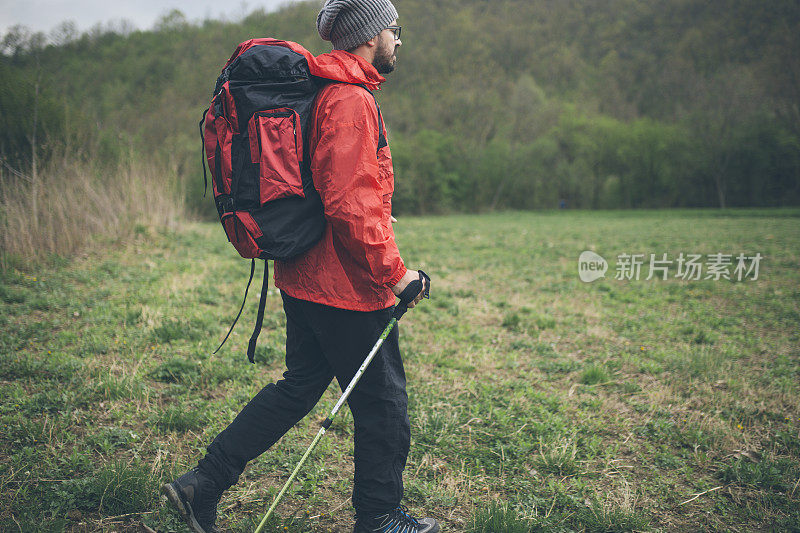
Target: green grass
x=537, y=402
x=115, y=488
x=495, y=518
x=182, y=418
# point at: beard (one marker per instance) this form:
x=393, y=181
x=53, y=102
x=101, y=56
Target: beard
x=385, y=58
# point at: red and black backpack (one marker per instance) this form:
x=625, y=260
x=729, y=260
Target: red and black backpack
x=255, y=141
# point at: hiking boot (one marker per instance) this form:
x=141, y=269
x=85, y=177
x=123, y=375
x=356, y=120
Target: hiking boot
x=395, y=521
x=195, y=496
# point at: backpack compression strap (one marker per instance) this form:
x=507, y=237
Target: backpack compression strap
x=235, y=320
x=203, y=155
x=251, y=347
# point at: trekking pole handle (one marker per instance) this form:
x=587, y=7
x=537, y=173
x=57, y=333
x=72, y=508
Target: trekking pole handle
x=411, y=291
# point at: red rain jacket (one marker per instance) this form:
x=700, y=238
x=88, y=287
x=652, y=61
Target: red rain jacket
x=356, y=262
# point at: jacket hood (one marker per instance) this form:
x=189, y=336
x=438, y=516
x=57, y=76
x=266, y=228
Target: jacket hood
x=340, y=65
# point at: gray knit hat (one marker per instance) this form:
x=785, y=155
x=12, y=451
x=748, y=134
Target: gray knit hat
x=349, y=23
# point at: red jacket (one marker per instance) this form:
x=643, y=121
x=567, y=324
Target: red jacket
x=356, y=262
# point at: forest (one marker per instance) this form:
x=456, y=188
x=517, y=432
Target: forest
x=509, y=104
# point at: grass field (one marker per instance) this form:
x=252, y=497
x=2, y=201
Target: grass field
x=538, y=402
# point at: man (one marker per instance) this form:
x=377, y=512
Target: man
x=338, y=296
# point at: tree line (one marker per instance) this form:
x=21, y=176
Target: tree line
x=520, y=104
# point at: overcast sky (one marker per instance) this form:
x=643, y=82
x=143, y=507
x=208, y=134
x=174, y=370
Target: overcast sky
x=44, y=15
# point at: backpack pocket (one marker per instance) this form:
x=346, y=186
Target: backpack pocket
x=219, y=157
x=221, y=124
x=243, y=231
x=276, y=145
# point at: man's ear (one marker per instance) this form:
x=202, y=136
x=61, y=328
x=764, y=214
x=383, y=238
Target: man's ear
x=372, y=42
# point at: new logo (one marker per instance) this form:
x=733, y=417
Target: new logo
x=591, y=266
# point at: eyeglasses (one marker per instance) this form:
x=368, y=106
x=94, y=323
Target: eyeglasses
x=395, y=31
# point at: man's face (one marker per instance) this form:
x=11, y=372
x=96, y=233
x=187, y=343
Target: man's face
x=386, y=50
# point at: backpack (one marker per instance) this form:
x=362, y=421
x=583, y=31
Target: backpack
x=255, y=137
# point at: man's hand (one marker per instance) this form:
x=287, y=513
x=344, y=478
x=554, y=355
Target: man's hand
x=411, y=275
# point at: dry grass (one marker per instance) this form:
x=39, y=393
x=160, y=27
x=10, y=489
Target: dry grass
x=76, y=202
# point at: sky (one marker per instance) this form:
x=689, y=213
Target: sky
x=45, y=15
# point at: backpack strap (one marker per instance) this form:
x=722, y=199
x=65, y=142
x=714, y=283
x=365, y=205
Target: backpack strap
x=251, y=347
x=203, y=153
x=235, y=320
x=381, y=137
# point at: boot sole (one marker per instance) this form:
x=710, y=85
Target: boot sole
x=175, y=497
x=433, y=529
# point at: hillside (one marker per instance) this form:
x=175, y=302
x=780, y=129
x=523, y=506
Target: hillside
x=508, y=103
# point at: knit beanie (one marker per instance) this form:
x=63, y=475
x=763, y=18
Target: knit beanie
x=349, y=23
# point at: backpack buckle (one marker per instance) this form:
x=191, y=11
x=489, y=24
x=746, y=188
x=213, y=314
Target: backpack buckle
x=224, y=205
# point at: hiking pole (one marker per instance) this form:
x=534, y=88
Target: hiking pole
x=407, y=296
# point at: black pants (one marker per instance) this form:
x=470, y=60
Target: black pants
x=323, y=342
